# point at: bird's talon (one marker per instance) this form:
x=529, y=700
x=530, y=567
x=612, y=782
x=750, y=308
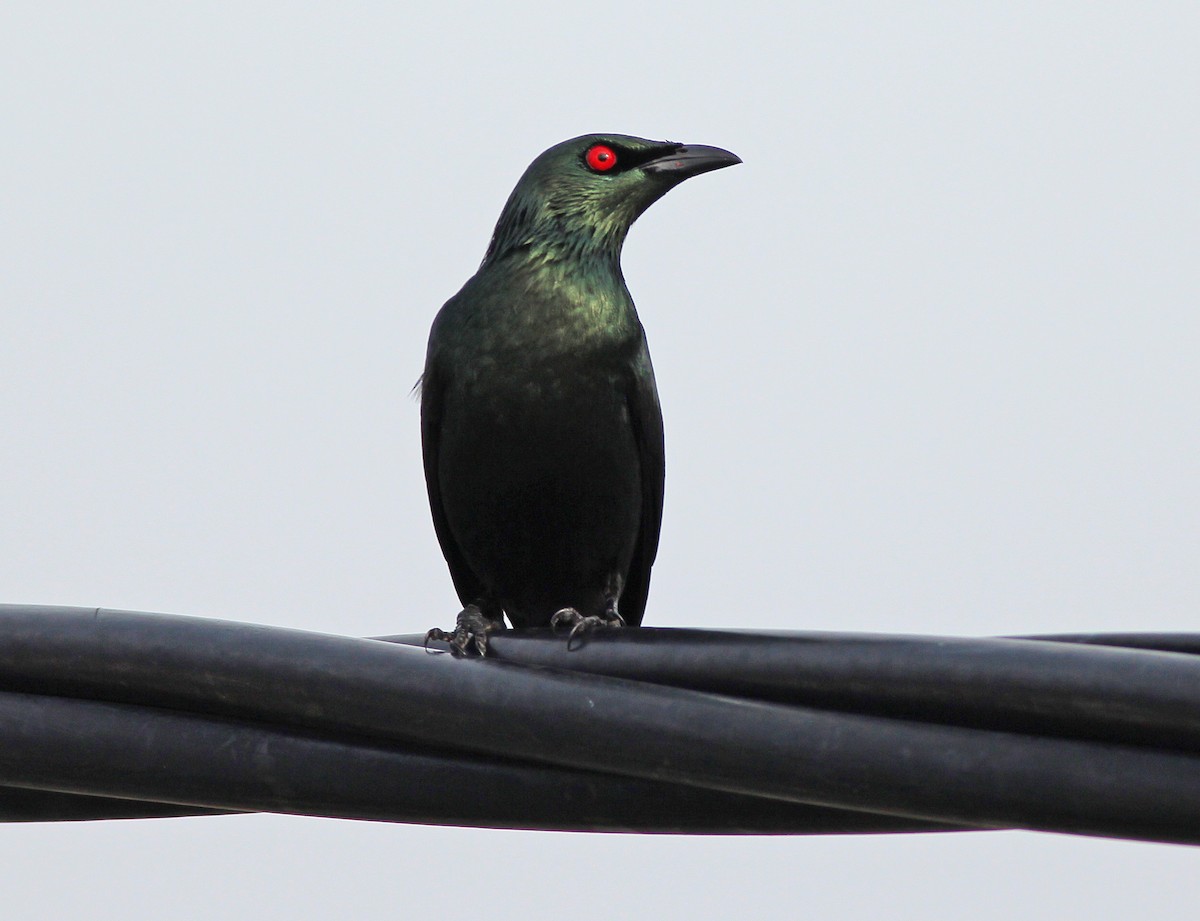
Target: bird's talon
x=435, y=634
x=566, y=617
x=582, y=625
x=470, y=633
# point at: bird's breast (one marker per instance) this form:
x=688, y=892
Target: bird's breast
x=523, y=397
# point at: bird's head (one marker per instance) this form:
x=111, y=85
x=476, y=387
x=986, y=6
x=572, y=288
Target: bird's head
x=580, y=197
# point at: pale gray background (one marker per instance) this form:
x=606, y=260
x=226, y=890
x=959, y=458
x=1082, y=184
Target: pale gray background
x=927, y=362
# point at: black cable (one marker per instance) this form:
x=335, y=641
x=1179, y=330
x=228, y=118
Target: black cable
x=1188, y=643
x=25, y=805
x=1056, y=688
x=168, y=759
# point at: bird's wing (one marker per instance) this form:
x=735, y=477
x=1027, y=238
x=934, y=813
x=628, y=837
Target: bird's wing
x=645, y=415
x=466, y=583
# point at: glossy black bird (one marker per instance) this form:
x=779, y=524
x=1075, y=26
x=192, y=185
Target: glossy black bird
x=540, y=423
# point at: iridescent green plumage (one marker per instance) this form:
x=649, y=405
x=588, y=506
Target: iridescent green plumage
x=540, y=421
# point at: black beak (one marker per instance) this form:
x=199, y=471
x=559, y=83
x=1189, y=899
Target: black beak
x=691, y=160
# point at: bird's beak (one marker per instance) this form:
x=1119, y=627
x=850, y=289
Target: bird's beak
x=691, y=160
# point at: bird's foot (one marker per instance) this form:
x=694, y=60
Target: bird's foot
x=470, y=634
x=580, y=624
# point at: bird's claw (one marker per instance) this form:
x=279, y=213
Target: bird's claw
x=470, y=633
x=580, y=624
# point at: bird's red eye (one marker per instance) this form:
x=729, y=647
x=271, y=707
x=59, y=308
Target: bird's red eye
x=601, y=158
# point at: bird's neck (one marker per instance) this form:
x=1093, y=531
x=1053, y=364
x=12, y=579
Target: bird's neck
x=562, y=262
x=566, y=233
x=565, y=302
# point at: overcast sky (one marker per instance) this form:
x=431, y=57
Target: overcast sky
x=928, y=364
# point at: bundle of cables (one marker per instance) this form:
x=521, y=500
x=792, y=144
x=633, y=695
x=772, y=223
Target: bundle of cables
x=112, y=714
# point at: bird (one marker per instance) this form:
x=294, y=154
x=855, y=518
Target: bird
x=541, y=428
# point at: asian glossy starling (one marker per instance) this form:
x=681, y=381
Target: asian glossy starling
x=540, y=423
